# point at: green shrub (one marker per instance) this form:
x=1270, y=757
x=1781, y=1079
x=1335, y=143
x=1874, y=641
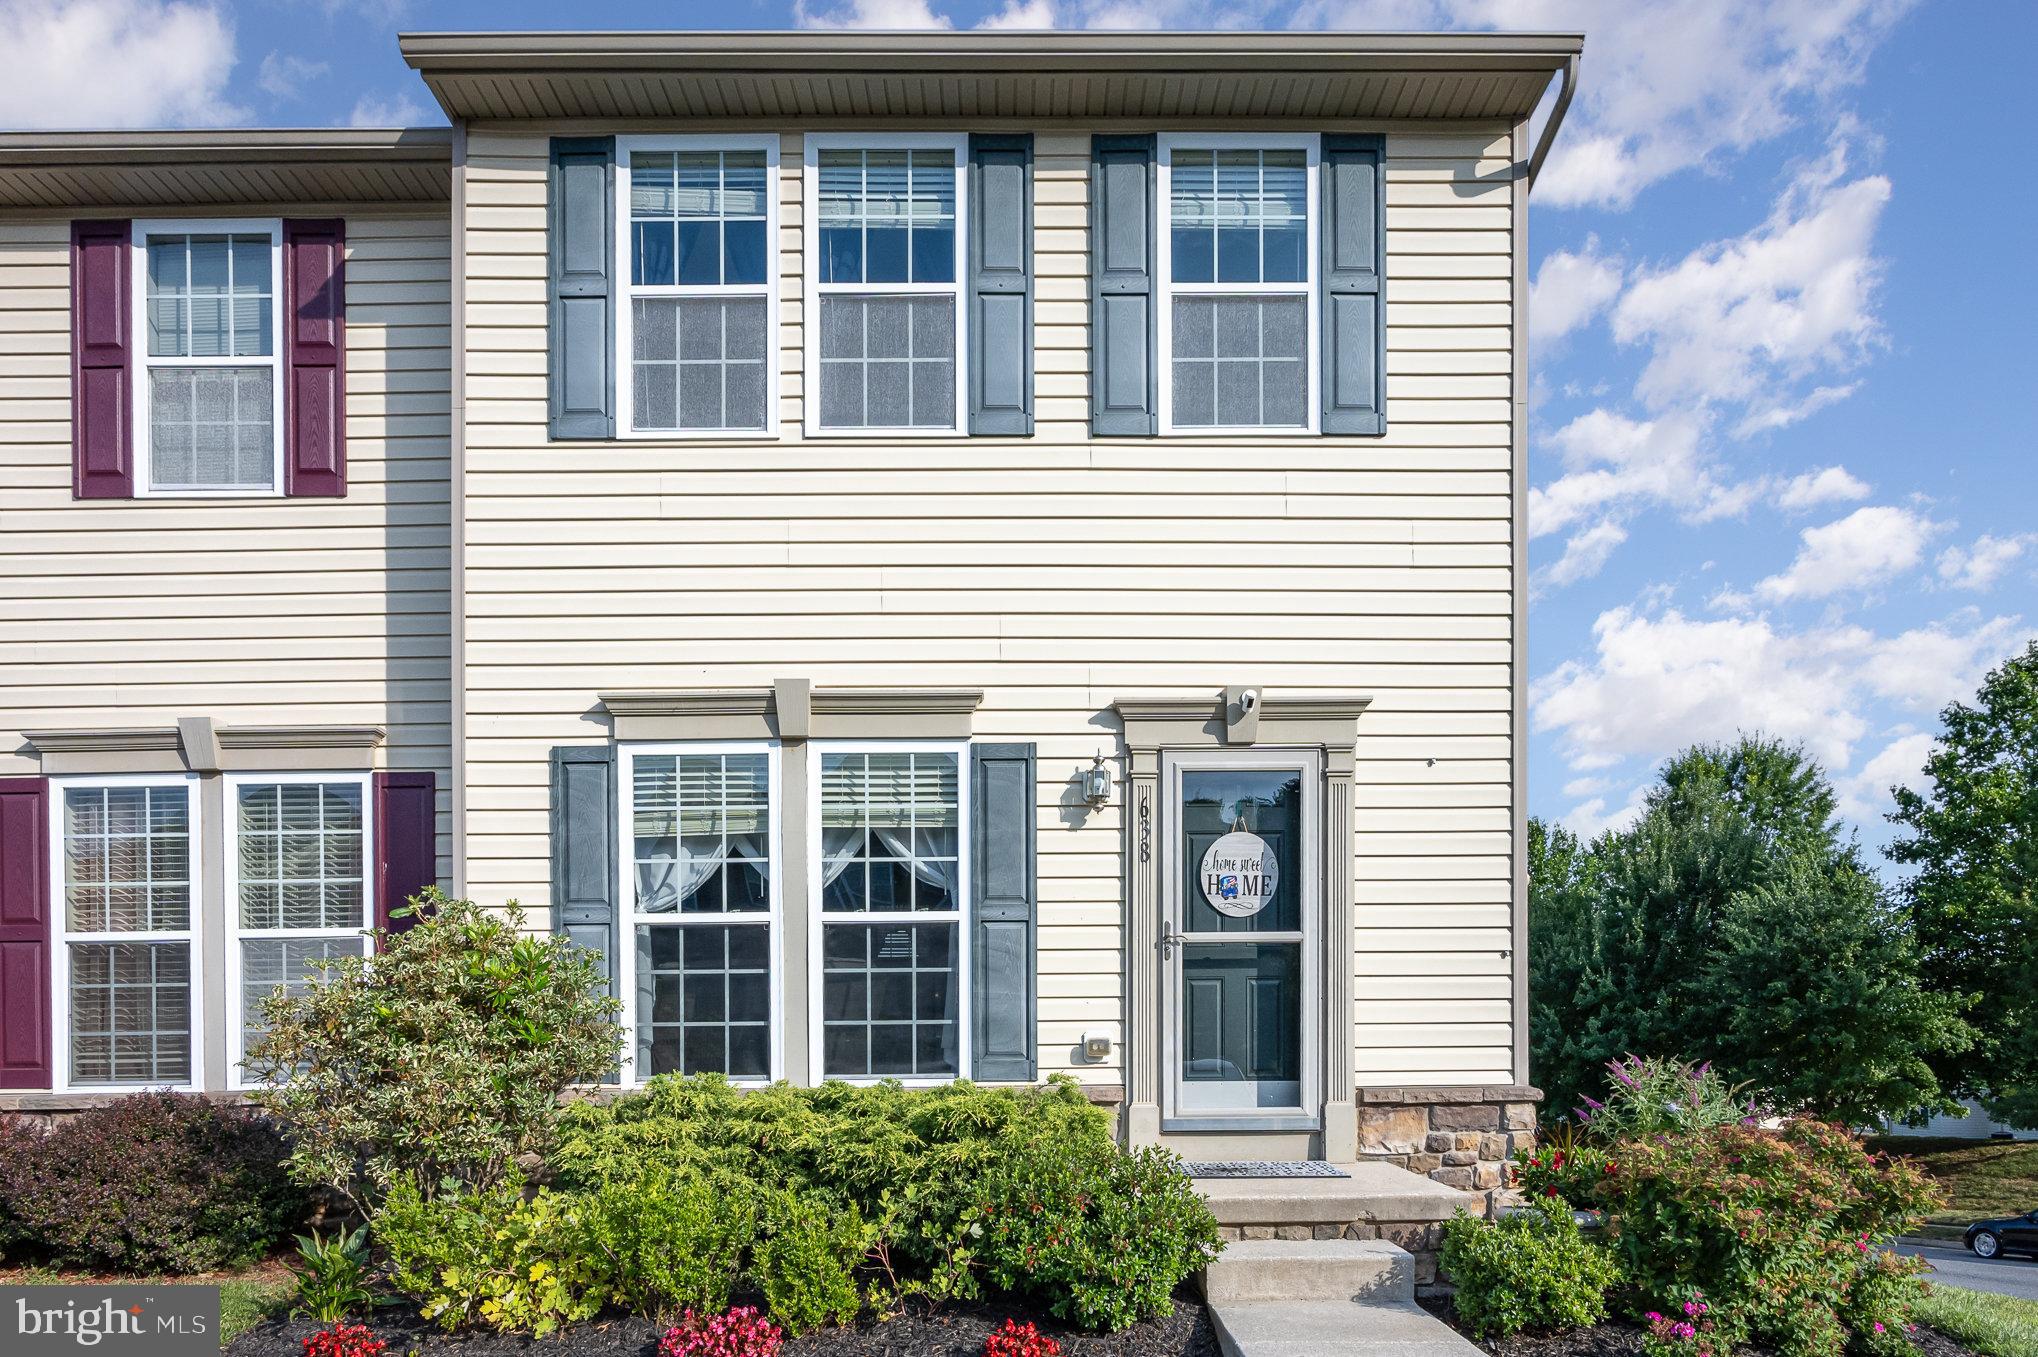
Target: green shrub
x=152, y=1183
x=675, y=1241
x=1098, y=1236
x=491, y=1256
x=805, y=1261
x=1778, y=1229
x=1532, y=1269
x=330, y=1276
x=440, y=1059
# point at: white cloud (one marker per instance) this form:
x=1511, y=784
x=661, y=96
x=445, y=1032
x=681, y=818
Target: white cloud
x=869, y=14
x=1979, y=566
x=1614, y=462
x=116, y=63
x=1570, y=289
x=1022, y=14
x=396, y=110
x=1744, y=320
x=1864, y=549
x=1827, y=485
x=286, y=76
x=1656, y=683
x=1590, y=818
x=1865, y=795
x=1585, y=553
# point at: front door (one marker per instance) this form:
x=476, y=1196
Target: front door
x=1240, y=898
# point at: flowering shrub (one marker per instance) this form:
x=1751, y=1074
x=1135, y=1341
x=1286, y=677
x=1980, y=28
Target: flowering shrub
x=1529, y=1270
x=1647, y=1096
x=741, y=1332
x=344, y=1340
x=1687, y=1331
x=1014, y=1339
x=1776, y=1229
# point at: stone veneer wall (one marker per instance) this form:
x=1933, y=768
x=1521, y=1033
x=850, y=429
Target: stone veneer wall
x=1462, y=1137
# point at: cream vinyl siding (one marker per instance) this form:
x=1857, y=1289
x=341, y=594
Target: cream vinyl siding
x=119, y=613
x=1056, y=573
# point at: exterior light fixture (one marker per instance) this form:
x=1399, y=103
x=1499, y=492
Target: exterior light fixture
x=1097, y=783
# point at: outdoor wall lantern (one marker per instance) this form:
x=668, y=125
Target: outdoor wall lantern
x=1097, y=783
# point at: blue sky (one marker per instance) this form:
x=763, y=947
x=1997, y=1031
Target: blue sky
x=1783, y=450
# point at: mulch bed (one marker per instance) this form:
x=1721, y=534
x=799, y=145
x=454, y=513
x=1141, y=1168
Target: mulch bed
x=1614, y=1339
x=949, y=1331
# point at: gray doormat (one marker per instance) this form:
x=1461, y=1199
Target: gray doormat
x=1238, y=1168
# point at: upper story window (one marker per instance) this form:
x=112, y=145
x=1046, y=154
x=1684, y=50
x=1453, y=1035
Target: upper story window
x=698, y=219
x=1238, y=261
x=208, y=408
x=884, y=246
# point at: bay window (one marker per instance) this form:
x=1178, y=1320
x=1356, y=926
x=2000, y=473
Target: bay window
x=697, y=329
x=298, y=892
x=208, y=407
x=884, y=315
x=127, y=973
x=699, y=958
x=890, y=893
x=1238, y=265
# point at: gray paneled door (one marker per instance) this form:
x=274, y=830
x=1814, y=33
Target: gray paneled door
x=1240, y=902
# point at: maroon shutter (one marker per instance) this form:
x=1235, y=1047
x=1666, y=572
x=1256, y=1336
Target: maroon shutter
x=102, y=348
x=24, y=933
x=406, y=843
x=315, y=357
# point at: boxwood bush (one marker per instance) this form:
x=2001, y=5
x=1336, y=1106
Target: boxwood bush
x=151, y=1183
x=1532, y=1269
x=819, y=1201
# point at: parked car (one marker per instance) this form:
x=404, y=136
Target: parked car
x=2009, y=1234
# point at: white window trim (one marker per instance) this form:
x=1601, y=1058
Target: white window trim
x=965, y=846
x=628, y=917
x=60, y=953
x=628, y=292
x=236, y=1077
x=810, y=194
x=138, y=332
x=1309, y=288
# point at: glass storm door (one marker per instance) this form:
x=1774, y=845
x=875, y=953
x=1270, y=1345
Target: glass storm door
x=1239, y=907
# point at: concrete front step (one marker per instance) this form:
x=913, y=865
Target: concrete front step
x=1335, y=1329
x=1260, y=1270
x=1372, y=1192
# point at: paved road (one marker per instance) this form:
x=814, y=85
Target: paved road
x=1955, y=1266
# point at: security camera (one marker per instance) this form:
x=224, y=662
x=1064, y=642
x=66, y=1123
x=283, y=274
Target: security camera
x=1248, y=701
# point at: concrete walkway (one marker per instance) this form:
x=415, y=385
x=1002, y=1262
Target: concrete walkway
x=1336, y=1329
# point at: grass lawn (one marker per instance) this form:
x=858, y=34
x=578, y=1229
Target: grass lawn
x=2000, y=1326
x=246, y=1298
x=1981, y=1177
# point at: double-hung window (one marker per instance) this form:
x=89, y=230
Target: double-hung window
x=127, y=960
x=208, y=399
x=298, y=891
x=890, y=885
x=1237, y=258
x=697, y=330
x=701, y=952
x=884, y=255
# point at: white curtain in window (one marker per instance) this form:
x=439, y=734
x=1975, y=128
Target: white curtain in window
x=929, y=852
x=664, y=878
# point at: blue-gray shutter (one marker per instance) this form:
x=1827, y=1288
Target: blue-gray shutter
x=1123, y=365
x=1354, y=232
x=1001, y=283
x=584, y=883
x=582, y=318
x=1002, y=908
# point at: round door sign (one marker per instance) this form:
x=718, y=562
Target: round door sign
x=1239, y=874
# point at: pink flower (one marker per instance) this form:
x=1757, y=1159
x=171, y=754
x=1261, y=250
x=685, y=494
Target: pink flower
x=1878, y=1326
